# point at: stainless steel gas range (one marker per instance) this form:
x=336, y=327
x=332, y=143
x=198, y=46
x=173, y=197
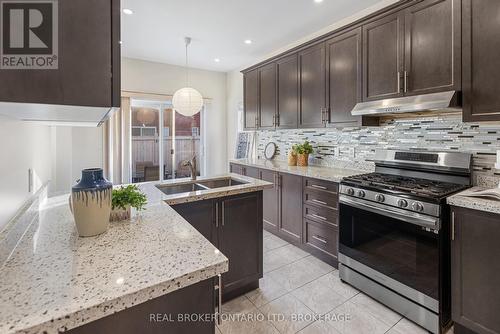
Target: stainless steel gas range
x=394, y=234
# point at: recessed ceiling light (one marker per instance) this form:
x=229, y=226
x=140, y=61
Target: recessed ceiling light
x=127, y=11
x=318, y=1
x=248, y=41
x=217, y=60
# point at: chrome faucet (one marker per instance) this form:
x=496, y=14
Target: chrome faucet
x=192, y=166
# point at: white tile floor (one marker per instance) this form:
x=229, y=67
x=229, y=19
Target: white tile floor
x=301, y=294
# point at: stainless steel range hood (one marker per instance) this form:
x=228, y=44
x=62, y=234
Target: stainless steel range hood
x=446, y=102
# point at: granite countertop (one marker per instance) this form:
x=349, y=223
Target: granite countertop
x=56, y=281
x=250, y=185
x=317, y=172
x=475, y=203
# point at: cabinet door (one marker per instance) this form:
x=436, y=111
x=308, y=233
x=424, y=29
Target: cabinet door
x=481, y=64
x=240, y=238
x=432, y=44
x=201, y=215
x=290, y=222
x=267, y=93
x=383, y=57
x=237, y=169
x=344, y=75
x=251, y=98
x=252, y=172
x=475, y=270
x=85, y=74
x=288, y=92
x=312, y=86
x=270, y=201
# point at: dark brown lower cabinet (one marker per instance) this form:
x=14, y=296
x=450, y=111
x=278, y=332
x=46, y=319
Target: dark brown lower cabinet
x=234, y=225
x=290, y=207
x=270, y=203
x=475, y=271
x=162, y=314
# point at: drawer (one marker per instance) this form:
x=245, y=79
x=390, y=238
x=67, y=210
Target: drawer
x=321, y=214
x=319, y=185
x=323, y=199
x=322, y=237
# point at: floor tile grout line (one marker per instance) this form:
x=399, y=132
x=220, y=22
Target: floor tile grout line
x=307, y=255
x=269, y=250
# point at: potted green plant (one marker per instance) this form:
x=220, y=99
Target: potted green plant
x=123, y=199
x=303, y=151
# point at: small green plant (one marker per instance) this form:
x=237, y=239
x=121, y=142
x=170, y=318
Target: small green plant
x=305, y=148
x=128, y=195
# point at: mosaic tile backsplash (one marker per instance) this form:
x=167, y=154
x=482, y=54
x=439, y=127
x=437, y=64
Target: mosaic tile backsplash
x=355, y=147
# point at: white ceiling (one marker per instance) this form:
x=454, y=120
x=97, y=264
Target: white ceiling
x=218, y=28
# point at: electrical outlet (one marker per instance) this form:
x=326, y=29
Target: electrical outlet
x=352, y=152
x=30, y=180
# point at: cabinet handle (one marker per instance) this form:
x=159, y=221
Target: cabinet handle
x=322, y=115
x=278, y=120
x=318, y=201
x=453, y=226
x=217, y=214
x=318, y=216
x=318, y=187
x=327, y=115
x=406, y=81
x=319, y=239
x=399, y=82
x=222, y=213
x=218, y=287
x=274, y=120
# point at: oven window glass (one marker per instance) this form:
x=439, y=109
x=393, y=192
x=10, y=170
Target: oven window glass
x=403, y=251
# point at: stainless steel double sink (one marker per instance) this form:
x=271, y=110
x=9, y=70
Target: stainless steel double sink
x=172, y=189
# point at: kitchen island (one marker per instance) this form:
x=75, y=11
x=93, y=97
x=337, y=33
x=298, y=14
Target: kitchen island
x=55, y=281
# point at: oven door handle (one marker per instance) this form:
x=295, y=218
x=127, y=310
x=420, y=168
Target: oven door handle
x=404, y=215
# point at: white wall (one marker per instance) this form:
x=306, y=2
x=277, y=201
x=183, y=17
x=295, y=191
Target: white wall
x=149, y=77
x=234, y=94
x=23, y=146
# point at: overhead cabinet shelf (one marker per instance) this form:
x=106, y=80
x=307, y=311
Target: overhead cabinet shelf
x=408, y=49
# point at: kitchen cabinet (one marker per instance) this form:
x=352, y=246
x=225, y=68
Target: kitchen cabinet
x=251, y=99
x=237, y=169
x=86, y=76
x=287, y=70
x=383, y=56
x=267, y=94
x=480, y=63
x=270, y=201
x=234, y=225
x=290, y=207
x=198, y=298
x=344, y=74
x=432, y=47
x=475, y=271
x=251, y=172
x=312, y=75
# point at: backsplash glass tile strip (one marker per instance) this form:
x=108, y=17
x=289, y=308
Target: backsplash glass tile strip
x=355, y=147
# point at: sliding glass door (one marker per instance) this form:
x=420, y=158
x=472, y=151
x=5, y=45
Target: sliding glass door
x=158, y=152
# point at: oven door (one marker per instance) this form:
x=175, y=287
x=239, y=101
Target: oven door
x=400, y=254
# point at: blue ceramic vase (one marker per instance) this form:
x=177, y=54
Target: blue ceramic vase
x=90, y=202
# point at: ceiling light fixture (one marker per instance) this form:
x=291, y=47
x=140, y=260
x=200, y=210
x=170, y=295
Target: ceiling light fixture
x=217, y=60
x=318, y=1
x=187, y=101
x=127, y=11
x=248, y=41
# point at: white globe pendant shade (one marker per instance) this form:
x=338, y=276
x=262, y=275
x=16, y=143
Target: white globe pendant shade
x=187, y=101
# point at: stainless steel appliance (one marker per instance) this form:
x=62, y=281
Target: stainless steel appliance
x=394, y=236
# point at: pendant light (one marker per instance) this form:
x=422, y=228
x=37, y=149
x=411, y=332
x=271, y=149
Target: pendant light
x=187, y=101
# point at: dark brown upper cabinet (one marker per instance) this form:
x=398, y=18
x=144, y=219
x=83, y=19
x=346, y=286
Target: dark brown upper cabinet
x=344, y=74
x=288, y=92
x=432, y=47
x=251, y=98
x=312, y=69
x=88, y=71
x=267, y=94
x=383, y=57
x=481, y=64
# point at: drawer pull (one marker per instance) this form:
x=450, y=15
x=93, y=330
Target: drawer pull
x=319, y=239
x=318, y=201
x=318, y=187
x=318, y=216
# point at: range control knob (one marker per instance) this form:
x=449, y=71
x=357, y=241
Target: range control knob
x=402, y=203
x=350, y=191
x=417, y=206
x=380, y=198
x=361, y=193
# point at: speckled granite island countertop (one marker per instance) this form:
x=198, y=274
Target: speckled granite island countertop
x=475, y=203
x=56, y=281
x=317, y=172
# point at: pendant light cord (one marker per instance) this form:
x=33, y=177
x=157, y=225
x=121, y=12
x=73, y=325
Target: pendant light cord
x=188, y=41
